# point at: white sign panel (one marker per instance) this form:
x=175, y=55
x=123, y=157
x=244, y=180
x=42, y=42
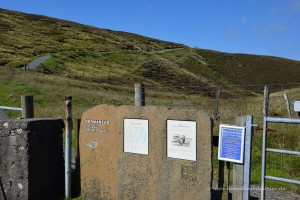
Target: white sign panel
x=297, y=106
x=181, y=139
x=136, y=136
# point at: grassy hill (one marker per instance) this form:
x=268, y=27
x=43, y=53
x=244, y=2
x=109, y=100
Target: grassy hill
x=101, y=66
x=117, y=58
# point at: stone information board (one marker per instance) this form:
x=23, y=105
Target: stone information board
x=231, y=143
x=114, y=166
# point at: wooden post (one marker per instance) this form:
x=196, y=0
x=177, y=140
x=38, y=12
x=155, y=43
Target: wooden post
x=78, y=131
x=266, y=101
x=139, y=89
x=287, y=101
x=216, y=112
x=238, y=170
x=27, y=107
x=224, y=178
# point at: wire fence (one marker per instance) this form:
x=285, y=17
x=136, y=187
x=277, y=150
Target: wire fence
x=233, y=100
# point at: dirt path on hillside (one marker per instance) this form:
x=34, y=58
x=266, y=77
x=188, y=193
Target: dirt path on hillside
x=35, y=63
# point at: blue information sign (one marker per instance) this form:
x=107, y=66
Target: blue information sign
x=231, y=143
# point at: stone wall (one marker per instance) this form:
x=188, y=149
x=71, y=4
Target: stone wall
x=31, y=159
x=107, y=172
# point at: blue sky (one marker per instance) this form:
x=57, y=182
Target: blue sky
x=264, y=27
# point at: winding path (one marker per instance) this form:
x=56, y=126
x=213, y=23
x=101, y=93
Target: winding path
x=36, y=62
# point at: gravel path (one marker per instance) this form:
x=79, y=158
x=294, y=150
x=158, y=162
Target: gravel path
x=273, y=194
x=3, y=116
x=270, y=194
x=35, y=63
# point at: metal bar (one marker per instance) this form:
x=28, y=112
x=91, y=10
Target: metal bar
x=282, y=120
x=282, y=179
x=247, y=161
x=10, y=108
x=283, y=151
x=68, y=143
x=263, y=168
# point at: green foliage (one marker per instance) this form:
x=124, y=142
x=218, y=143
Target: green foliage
x=97, y=55
x=98, y=66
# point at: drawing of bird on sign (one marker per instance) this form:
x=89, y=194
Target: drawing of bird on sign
x=181, y=140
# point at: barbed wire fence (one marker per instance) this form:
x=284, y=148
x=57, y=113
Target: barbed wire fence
x=219, y=103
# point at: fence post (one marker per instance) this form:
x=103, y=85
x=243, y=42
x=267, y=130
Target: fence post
x=139, y=89
x=27, y=107
x=216, y=111
x=263, y=159
x=287, y=101
x=247, y=160
x=266, y=101
x=238, y=170
x=68, y=143
x=223, y=182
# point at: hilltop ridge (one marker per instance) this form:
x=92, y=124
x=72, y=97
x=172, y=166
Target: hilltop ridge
x=120, y=58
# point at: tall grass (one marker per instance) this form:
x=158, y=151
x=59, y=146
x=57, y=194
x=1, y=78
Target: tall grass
x=49, y=92
x=284, y=136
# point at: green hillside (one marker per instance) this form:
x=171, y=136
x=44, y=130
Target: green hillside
x=97, y=66
x=117, y=58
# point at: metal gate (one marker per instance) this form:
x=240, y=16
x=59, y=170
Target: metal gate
x=265, y=150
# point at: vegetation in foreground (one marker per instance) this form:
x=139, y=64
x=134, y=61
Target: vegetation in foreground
x=98, y=66
x=49, y=92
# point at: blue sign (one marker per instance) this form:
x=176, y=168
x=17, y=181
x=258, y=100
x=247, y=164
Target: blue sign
x=231, y=143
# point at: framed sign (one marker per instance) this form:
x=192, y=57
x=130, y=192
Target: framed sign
x=231, y=143
x=136, y=136
x=181, y=139
x=297, y=106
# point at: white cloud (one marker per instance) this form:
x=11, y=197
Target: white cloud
x=295, y=6
x=288, y=7
x=244, y=20
x=231, y=34
x=277, y=28
x=271, y=29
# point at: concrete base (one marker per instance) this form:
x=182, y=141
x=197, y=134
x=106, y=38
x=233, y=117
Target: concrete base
x=31, y=159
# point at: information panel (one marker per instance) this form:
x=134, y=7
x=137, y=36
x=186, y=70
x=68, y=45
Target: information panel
x=231, y=143
x=181, y=139
x=136, y=136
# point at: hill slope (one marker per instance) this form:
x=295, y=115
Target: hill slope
x=117, y=58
